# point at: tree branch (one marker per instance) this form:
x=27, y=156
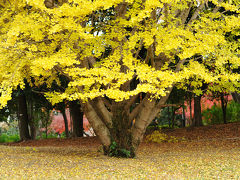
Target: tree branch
x=195, y=14
x=102, y=111
x=215, y=10
x=130, y=102
x=185, y=13
x=136, y=110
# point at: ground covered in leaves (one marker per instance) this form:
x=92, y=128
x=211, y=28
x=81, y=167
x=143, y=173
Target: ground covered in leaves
x=211, y=152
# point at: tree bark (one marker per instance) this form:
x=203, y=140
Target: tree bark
x=77, y=119
x=62, y=108
x=173, y=117
x=190, y=109
x=99, y=127
x=33, y=131
x=224, y=107
x=23, y=117
x=197, y=121
x=119, y=128
x=63, y=111
x=183, y=117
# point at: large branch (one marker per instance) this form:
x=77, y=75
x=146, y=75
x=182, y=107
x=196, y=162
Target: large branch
x=142, y=121
x=130, y=102
x=100, y=108
x=99, y=127
x=185, y=13
x=137, y=109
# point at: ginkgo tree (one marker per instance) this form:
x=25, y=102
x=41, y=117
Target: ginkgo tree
x=121, y=57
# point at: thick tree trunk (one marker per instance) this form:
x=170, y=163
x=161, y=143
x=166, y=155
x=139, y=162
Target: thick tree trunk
x=121, y=132
x=98, y=126
x=77, y=119
x=197, y=121
x=23, y=117
x=119, y=128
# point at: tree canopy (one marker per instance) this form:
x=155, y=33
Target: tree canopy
x=73, y=38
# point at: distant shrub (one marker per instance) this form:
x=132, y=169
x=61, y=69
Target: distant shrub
x=214, y=114
x=4, y=138
x=48, y=136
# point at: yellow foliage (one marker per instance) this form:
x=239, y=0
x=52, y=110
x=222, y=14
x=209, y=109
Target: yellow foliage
x=159, y=137
x=72, y=39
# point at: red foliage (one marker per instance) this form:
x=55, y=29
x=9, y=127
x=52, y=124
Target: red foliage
x=58, y=126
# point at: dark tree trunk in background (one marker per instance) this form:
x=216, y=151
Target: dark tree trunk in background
x=77, y=119
x=173, y=117
x=236, y=97
x=183, y=117
x=224, y=107
x=62, y=108
x=197, y=121
x=23, y=117
x=190, y=108
x=31, y=119
x=65, y=122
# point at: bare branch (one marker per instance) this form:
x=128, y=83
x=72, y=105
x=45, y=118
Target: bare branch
x=196, y=13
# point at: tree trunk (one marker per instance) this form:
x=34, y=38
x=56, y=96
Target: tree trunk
x=119, y=128
x=99, y=126
x=23, y=117
x=77, y=119
x=65, y=122
x=31, y=120
x=183, y=117
x=173, y=117
x=224, y=108
x=197, y=121
x=121, y=133
x=190, y=109
x=33, y=130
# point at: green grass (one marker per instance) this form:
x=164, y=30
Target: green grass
x=183, y=160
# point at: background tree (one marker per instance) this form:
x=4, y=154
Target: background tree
x=102, y=46
x=77, y=118
x=23, y=117
x=62, y=108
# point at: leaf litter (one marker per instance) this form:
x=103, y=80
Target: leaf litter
x=210, y=152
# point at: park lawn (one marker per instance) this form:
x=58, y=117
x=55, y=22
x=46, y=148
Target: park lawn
x=196, y=159
x=209, y=152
